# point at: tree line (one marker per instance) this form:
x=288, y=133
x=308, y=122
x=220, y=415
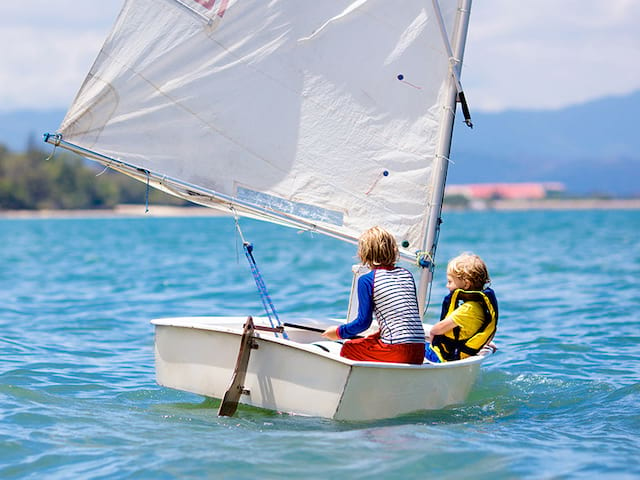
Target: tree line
x=32, y=181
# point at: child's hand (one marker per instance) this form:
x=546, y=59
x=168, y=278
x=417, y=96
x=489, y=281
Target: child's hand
x=331, y=333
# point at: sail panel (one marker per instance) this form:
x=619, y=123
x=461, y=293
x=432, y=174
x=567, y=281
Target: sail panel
x=329, y=111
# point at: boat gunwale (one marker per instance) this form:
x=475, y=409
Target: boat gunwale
x=181, y=322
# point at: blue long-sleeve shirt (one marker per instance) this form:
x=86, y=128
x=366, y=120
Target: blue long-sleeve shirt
x=365, y=308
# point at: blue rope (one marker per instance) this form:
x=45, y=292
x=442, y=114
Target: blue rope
x=262, y=288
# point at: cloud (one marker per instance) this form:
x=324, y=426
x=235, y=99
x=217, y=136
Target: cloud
x=47, y=68
x=48, y=49
x=44, y=14
x=520, y=55
x=549, y=54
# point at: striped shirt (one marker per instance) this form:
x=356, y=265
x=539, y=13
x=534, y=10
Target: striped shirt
x=391, y=295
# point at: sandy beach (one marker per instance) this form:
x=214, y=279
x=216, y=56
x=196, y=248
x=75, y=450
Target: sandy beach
x=120, y=211
x=196, y=211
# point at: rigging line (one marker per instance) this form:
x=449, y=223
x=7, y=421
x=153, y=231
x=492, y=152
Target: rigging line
x=454, y=62
x=238, y=232
x=106, y=167
x=428, y=302
x=445, y=38
x=432, y=255
x=257, y=276
x=146, y=194
x=426, y=260
x=57, y=137
x=446, y=159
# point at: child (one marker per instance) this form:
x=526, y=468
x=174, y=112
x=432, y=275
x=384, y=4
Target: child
x=390, y=292
x=469, y=313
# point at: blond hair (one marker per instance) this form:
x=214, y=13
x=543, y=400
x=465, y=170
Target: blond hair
x=377, y=247
x=469, y=267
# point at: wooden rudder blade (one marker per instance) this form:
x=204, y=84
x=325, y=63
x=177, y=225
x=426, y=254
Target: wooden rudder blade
x=230, y=400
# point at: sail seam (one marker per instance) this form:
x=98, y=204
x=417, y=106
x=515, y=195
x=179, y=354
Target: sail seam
x=183, y=107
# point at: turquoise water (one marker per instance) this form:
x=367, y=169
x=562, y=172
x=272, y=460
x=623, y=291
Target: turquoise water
x=78, y=399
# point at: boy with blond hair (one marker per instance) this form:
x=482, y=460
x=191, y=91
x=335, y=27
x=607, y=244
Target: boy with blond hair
x=469, y=314
x=390, y=293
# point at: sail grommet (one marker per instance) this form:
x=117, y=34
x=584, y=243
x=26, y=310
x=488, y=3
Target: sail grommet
x=400, y=77
x=385, y=173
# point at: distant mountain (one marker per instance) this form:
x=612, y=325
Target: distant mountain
x=591, y=148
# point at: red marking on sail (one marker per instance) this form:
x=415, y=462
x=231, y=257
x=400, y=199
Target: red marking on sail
x=411, y=84
x=223, y=8
x=208, y=4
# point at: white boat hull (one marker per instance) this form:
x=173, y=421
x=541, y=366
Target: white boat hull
x=297, y=375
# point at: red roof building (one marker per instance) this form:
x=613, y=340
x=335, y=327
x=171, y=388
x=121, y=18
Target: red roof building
x=507, y=191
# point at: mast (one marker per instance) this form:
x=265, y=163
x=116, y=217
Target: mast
x=444, y=147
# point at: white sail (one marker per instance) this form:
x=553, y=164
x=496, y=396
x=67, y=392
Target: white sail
x=328, y=113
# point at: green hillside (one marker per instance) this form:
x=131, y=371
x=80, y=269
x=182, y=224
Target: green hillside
x=31, y=181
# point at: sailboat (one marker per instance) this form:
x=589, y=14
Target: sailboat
x=328, y=117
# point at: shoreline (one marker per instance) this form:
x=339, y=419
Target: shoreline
x=136, y=211
x=124, y=211
x=551, y=204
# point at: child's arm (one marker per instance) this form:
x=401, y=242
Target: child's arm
x=469, y=313
x=365, y=312
x=442, y=327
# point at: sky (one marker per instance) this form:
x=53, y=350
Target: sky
x=531, y=54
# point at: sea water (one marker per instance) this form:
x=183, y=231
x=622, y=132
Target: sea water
x=78, y=399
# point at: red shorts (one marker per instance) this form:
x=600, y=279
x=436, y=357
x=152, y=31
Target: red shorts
x=371, y=349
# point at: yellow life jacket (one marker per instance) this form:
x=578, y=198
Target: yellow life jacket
x=450, y=346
